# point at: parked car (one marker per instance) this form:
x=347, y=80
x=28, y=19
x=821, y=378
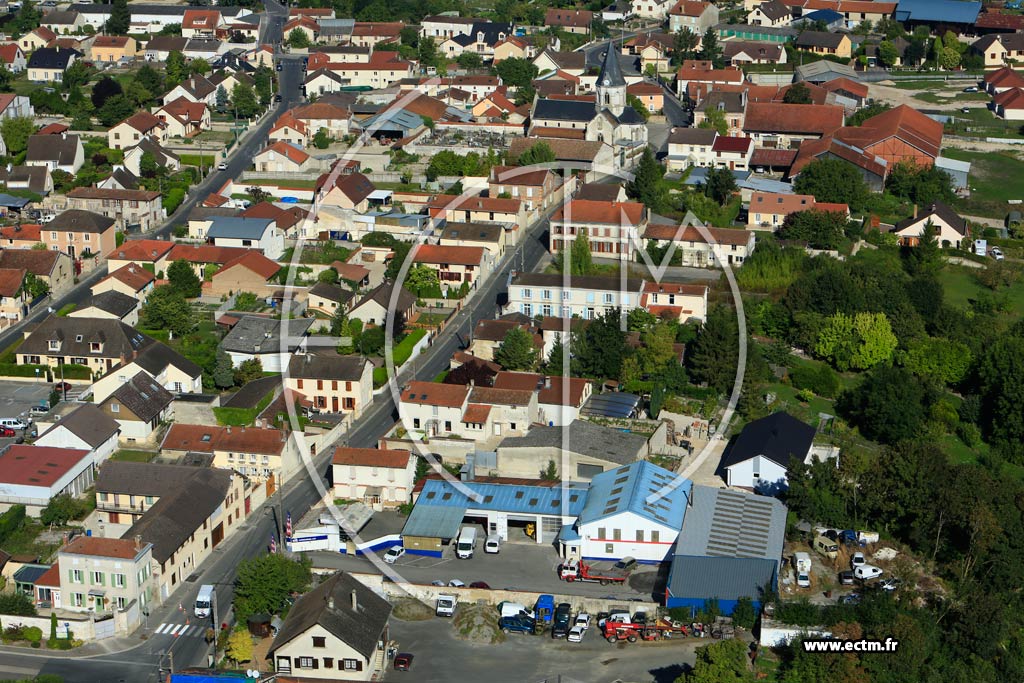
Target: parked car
x=626, y=564
x=222, y=166
x=13, y=423
x=582, y=621
x=437, y=582
x=846, y=578
x=38, y=410
x=857, y=560
x=61, y=386
x=456, y=583
x=996, y=253
x=277, y=97
x=393, y=553
x=866, y=572
x=480, y=584
x=519, y=624
x=576, y=634
x=561, y=622
x=971, y=88
x=7, y=432
x=403, y=661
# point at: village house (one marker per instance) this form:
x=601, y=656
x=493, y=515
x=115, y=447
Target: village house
x=110, y=304
x=98, y=344
x=782, y=126
x=99, y=576
x=704, y=247
x=113, y=49
x=570, y=20
x=586, y=297
x=48, y=64
x=13, y=58
x=486, y=235
x=13, y=297
x=164, y=365
x=332, y=383
x=455, y=266
x=382, y=301
x=824, y=43
x=33, y=475
x=329, y=299
x=36, y=39
x=51, y=267
x=380, y=478
x=139, y=406
x=259, y=454
x=536, y=188
x=152, y=255
x=349, y=191
x=768, y=210
x=610, y=227
x=674, y=301
x=254, y=233
x=695, y=15
x=183, y=117
x=130, y=280
x=56, y=152
x=135, y=128
x=282, y=157
x=251, y=272
x=947, y=225
x=131, y=209
x=80, y=233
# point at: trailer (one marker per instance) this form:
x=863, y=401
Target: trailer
x=633, y=631
x=603, y=573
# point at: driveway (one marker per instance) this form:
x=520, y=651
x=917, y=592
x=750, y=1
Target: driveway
x=440, y=657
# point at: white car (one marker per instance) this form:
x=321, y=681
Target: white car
x=222, y=166
x=576, y=634
x=393, y=553
x=857, y=560
x=866, y=572
x=456, y=583
x=996, y=253
x=582, y=621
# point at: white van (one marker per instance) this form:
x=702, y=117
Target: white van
x=204, y=601
x=13, y=423
x=514, y=609
x=492, y=544
x=466, y=543
x=866, y=572
x=802, y=564
x=446, y=605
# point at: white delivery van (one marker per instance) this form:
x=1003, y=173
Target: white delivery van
x=866, y=572
x=466, y=543
x=446, y=605
x=514, y=609
x=204, y=601
x=492, y=544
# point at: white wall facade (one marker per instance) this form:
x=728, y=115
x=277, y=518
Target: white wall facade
x=626, y=534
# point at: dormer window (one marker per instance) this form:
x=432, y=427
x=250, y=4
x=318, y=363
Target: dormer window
x=78, y=338
x=95, y=347
x=54, y=344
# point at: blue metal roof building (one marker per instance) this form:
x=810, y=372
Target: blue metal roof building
x=938, y=12
x=730, y=547
x=442, y=506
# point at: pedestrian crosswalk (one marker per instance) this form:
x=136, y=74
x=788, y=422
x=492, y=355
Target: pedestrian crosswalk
x=181, y=630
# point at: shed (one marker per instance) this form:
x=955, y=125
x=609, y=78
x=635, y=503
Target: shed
x=958, y=171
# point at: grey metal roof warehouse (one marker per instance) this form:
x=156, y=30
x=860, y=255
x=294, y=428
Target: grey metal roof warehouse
x=585, y=438
x=722, y=578
x=725, y=523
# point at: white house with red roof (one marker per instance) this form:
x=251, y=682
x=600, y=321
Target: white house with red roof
x=13, y=57
x=455, y=265
x=184, y=118
x=675, y=301
x=289, y=129
x=282, y=157
x=201, y=23
x=611, y=227
x=380, y=478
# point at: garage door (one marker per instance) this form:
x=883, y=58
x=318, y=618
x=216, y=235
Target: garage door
x=588, y=471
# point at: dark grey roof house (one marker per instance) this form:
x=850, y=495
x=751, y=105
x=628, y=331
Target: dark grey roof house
x=760, y=455
x=343, y=615
x=139, y=406
x=589, y=448
x=88, y=425
x=327, y=365
x=64, y=152
x=53, y=59
x=79, y=220
x=110, y=302
x=98, y=343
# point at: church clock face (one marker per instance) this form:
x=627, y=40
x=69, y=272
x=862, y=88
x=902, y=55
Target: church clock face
x=607, y=82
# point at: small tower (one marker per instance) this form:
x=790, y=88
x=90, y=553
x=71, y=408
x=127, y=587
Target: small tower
x=611, y=86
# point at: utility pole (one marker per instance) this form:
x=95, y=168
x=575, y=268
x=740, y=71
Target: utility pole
x=280, y=512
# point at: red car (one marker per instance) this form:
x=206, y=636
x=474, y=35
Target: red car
x=7, y=431
x=403, y=661
x=61, y=386
x=480, y=584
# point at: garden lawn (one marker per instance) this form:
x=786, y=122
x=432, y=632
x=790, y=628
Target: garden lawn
x=996, y=177
x=134, y=456
x=961, y=288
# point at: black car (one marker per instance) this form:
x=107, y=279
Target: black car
x=277, y=98
x=562, y=621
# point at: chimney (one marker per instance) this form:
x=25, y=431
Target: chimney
x=228, y=430
x=915, y=210
x=64, y=135
x=330, y=602
x=355, y=600
x=547, y=382
x=472, y=383
x=138, y=542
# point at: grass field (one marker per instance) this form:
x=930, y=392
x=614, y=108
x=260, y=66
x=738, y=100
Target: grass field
x=980, y=122
x=935, y=98
x=961, y=287
x=996, y=177
x=133, y=456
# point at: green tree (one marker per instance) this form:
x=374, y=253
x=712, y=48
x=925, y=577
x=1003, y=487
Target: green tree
x=714, y=119
x=550, y=473
x=167, y=309
x=198, y=67
x=223, y=371
x=62, y=509
x=28, y=17
x=554, y=365
x=421, y=279
x=222, y=98
x=798, y=93
x=243, y=99
x=581, y=261
x=516, y=72
x=263, y=81
x=328, y=275
x=322, y=139
x=103, y=90
x=427, y=52
x=833, y=180
x=16, y=604
x=76, y=75
x=138, y=94
x=888, y=55
x=298, y=39
x=16, y=132
x=864, y=113
x=819, y=229
x=638, y=106
x=918, y=184
x=115, y=109
x=120, y=19
x=889, y=405
x=943, y=359
x=248, y=370
x=684, y=45
x=648, y=183
x=859, y=342
x=949, y=58
x=1001, y=385
x=184, y=279
x=150, y=79
x=264, y=584
x=239, y=647
x=470, y=60
x=176, y=69
x=713, y=356
x=720, y=185
x=516, y=351
x=710, y=49
x=539, y=153
x=600, y=349
x=722, y=662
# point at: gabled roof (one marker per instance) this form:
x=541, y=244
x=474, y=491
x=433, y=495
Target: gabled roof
x=185, y=110
x=52, y=58
x=236, y=227
x=10, y=281
x=774, y=10
x=88, y=423
x=382, y=293
x=76, y=334
x=355, y=186
x=435, y=394
x=255, y=334
x=255, y=262
x=689, y=8
x=371, y=457
x=607, y=213
x=632, y=488
x=35, y=261
x=579, y=18
x=9, y=52
x=938, y=210
x=325, y=290
x=820, y=39
x=113, y=193
x=148, y=251
x=38, y=466
x=327, y=365
x=205, y=253
x=62, y=149
x=156, y=358
x=142, y=395
x=438, y=254
x=345, y=608
x=771, y=117
x=906, y=123
x=776, y=437
x=110, y=41
x=136, y=277
x=94, y=546
x=207, y=439
x=79, y=220
x=110, y=301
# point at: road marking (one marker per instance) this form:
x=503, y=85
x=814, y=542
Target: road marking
x=161, y=628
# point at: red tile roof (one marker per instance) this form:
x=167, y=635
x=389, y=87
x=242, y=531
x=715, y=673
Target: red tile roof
x=118, y=548
x=435, y=253
x=727, y=75
x=304, y=22
x=692, y=234
x=185, y=109
x=44, y=33
x=993, y=19
x=495, y=204
x=435, y=394
x=644, y=89
x=255, y=262
x=9, y=52
x=10, y=280
x=377, y=28
x=288, y=120
x=579, y=18
x=205, y=253
x=144, y=122
x=476, y=413
x=141, y=250
x=26, y=231
x=773, y=157
x=38, y=465
x=206, y=439
x=903, y=122
x=1004, y=77
x=732, y=144
x=132, y=275
x=51, y=577
x=608, y=213
x=813, y=119
x=371, y=457
x=200, y=19
x=292, y=152
x=689, y=8
x=850, y=86
x=109, y=41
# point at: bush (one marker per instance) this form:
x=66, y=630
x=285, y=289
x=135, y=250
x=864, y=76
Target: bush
x=33, y=634
x=17, y=604
x=820, y=379
x=62, y=509
x=744, y=615
x=11, y=521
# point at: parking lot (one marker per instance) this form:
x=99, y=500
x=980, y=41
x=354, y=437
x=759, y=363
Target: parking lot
x=440, y=657
x=519, y=566
x=17, y=397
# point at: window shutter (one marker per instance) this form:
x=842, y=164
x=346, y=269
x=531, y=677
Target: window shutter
x=359, y=665
x=316, y=663
x=71, y=575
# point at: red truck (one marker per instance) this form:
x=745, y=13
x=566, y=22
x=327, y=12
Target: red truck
x=603, y=573
x=641, y=630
